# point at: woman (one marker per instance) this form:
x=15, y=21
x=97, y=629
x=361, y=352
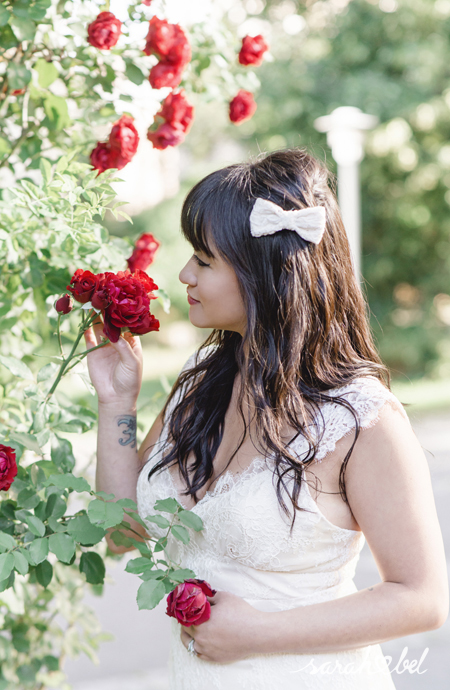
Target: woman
x=282, y=435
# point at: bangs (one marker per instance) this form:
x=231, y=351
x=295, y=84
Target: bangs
x=198, y=211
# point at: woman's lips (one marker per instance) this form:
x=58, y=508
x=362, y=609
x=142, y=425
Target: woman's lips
x=191, y=300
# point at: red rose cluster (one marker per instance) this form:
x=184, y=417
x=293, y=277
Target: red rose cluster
x=104, y=31
x=188, y=603
x=243, y=106
x=123, y=298
x=172, y=122
x=170, y=45
x=8, y=467
x=120, y=149
x=144, y=253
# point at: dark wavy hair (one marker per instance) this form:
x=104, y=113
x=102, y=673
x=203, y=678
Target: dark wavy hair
x=307, y=327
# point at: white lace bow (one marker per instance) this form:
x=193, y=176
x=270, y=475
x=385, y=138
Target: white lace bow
x=268, y=218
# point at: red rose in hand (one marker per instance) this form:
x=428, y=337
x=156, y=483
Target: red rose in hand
x=102, y=158
x=252, y=51
x=242, y=107
x=148, y=283
x=143, y=253
x=165, y=74
x=168, y=42
x=64, y=304
x=188, y=603
x=130, y=305
x=104, y=31
x=165, y=136
x=177, y=111
x=82, y=285
x=8, y=467
x=123, y=141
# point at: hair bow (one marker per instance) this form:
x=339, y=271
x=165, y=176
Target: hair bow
x=267, y=218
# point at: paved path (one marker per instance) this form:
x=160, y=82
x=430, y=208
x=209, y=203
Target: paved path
x=137, y=659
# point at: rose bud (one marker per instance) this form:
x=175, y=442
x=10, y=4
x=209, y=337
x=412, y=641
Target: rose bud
x=8, y=467
x=166, y=135
x=165, y=74
x=177, y=111
x=188, y=603
x=144, y=252
x=64, y=304
x=252, y=51
x=242, y=107
x=104, y=31
x=123, y=141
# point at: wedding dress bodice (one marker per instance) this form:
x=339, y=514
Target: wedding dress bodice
x=246, y=548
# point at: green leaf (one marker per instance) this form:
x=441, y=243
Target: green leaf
x=167, y=505
x=24, y=30
x=91, y=564
x=57, y=112
x=7, y=542
x=44, y=573
x=38, y=550
x=55, y=525
x=7, y=40
x=139, y=565
x=158, y=520
x=35, y=525
x=68, y=481
x=20, y=563
x=150, y=594
x=105, y=514
x=47, y=72
x=28, y=498
x=16, y=367
x=181, y=574
x=47, y=371
x=84, y=532
x=105, y=496
x=6, y=565
x=62, y=454
x=46, y=169
x=190, y=519
x=27, y=440
x=56, y=506
x=4, y=15
x=165, y=299
x=181, y=533
x=127, y=503
x=63, y=546
x=134, y=74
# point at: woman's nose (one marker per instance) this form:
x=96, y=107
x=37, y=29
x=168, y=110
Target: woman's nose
x=187, y=275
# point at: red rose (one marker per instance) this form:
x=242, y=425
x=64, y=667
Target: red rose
x=129, y=306
x=148, y=283
x=82, y=285
x=165, y=136
x=165, y=74
x=64, y=304
x=242, y=107
x=8, y=467
x=123, y=140
x=102, y=158
x=18, y=92
x=100, y=298
x=104, y=31
x=147, y=2
x=168, y=42
x=252, y=51
x=143, y=253
x=188, y=603
x=177, y=111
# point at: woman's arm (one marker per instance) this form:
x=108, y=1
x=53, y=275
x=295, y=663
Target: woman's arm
x=116, y=373
x=390, y=494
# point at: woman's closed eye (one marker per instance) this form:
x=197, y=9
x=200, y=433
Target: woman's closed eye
x=199, y=261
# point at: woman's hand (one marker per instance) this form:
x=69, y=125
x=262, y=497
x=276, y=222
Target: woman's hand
x=116, y=368
x=234, y=631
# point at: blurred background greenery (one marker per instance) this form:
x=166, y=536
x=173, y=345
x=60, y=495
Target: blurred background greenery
x=391, y=58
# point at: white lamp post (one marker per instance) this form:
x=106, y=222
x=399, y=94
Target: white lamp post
x=345, y=129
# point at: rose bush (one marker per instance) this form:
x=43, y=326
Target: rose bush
x=188, y=602
x=144, y=252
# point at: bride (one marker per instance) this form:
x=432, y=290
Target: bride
x=282, y=435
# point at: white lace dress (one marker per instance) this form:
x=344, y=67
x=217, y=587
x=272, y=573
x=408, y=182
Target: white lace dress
x=245, y=548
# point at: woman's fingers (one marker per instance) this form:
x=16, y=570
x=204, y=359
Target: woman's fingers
x=90, y=338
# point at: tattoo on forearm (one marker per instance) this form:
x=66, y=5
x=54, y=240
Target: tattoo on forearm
x=129, y=432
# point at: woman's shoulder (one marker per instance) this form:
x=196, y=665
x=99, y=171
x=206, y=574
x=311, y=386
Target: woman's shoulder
x=197, y=357
x=363, y=402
